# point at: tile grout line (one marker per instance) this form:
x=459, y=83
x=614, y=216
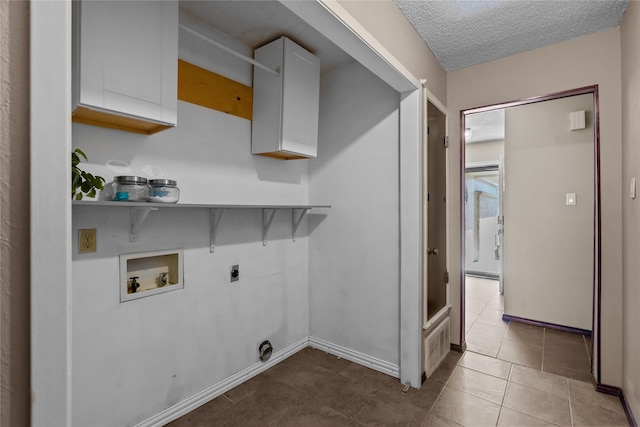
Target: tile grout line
x=365, y=405
x=230, y=399
x=506, y=390
x=442, y=391
x=503, y=338
x=570, y=405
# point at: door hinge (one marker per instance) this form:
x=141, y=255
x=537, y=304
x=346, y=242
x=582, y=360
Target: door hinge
x=446, y=277
x=446, y=142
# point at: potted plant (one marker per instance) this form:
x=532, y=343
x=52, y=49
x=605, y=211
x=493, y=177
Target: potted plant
x=83, y=183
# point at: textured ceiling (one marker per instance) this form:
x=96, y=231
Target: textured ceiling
x=485, y=126
x=462, y=33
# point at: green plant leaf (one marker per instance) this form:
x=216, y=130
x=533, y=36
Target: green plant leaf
x=79, y=151
x=81, y=180
x=99, y=184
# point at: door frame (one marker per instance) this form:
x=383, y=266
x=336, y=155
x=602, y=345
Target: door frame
x=597, y=246
x=429, y=98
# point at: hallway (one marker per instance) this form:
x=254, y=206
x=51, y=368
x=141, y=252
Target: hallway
x=536, y=347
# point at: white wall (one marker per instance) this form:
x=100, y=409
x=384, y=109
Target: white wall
x=630, y=33
x=548, y=246
x=144, y=356
x=484, y=152
x=354, y=251
x=50, y=212
x=588, y=60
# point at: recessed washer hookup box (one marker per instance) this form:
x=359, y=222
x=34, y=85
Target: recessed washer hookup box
x=145, y=274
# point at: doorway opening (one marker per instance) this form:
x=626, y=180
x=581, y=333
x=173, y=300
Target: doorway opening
x=436, y=293
x=530, y=223
x=435, y=276
x=482, y=230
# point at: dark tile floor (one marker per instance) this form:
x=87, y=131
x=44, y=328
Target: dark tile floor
x=313, y=388
x=515, y=375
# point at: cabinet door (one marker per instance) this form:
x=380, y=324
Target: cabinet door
x=128, y=57
x=300, y=100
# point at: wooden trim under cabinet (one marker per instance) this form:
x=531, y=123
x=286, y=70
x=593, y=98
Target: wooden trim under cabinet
x=88, y=116
x=282, y=155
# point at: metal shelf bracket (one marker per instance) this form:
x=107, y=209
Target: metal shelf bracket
x=215, y=217
x=137, y=216
x=295, y=221
x=267, y=218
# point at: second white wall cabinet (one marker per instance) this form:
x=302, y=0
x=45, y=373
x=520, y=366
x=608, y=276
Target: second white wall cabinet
x=125, y=64
x=286, y=103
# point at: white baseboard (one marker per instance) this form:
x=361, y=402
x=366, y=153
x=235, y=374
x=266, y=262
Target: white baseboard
x=356, y=357
x=228, y=383
x=223, y=386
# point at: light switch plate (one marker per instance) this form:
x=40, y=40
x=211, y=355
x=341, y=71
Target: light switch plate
x=571, y=199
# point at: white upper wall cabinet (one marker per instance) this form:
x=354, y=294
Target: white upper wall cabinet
x=285, y=106
x=125, y=64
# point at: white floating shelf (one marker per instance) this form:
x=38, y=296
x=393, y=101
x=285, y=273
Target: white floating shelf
x=138, y=212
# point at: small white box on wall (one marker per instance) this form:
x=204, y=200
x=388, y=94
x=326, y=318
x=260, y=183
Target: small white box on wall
x=577, y=120
x=145, y=274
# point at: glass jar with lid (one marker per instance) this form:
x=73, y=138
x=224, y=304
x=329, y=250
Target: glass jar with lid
x=163, y=191
x=130, y=189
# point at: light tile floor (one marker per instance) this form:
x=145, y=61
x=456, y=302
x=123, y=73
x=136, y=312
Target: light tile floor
x=539, y=348
x=313, y=388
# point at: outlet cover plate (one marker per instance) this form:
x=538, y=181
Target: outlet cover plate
x=87, y=240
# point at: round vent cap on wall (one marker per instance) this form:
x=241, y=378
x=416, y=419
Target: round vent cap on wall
x=265, y=349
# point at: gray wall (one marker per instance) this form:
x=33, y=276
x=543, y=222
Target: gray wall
x=548, y=246
x=387, y=24
x=630, y=34
x=354, y=252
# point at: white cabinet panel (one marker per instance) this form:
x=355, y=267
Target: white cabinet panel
x=285, y=107
x=125, y=59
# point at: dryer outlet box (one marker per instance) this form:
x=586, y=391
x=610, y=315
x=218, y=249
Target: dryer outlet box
x=235, y=273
